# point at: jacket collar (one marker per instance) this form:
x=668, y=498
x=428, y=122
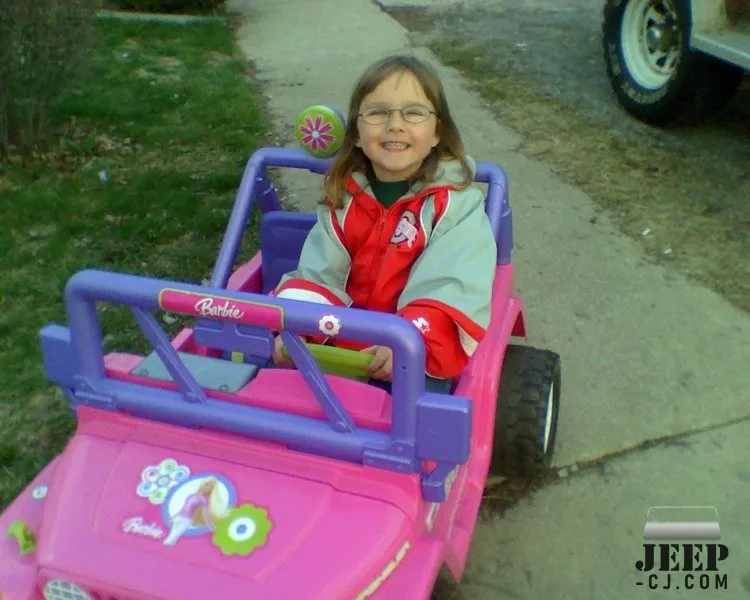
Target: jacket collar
x=448, y=174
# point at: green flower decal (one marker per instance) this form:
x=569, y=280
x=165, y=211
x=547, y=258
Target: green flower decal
x=243, y=530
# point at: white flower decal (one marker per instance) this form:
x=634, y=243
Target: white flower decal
x=157, y=480
x=329, y=325
x=39, y=492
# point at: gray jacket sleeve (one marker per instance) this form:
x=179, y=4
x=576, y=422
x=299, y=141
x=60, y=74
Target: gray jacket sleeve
x=457, y=268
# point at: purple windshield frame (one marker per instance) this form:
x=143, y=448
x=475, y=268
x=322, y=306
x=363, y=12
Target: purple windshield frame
x=424, y=426
x=255, y=185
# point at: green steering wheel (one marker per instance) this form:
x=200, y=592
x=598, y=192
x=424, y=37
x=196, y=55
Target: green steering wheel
x=339, y=361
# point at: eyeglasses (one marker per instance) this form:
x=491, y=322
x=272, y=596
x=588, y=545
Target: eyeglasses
x=380, y=116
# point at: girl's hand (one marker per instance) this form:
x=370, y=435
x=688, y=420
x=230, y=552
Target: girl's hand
x=280, y=359
x=381, y=365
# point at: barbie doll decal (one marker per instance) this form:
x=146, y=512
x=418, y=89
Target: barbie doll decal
x=195, y=507
x=201, y=504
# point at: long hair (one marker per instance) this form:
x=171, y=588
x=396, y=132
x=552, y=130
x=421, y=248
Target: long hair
x=350, y=158
x=216, y=508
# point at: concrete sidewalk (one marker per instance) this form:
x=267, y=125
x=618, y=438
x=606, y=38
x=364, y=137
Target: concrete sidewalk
x=645, y=353
x=580, y=539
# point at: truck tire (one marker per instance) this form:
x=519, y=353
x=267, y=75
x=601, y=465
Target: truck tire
x=654, y=74
x=528, y=405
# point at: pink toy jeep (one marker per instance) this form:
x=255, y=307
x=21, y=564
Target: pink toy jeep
x=202, y=471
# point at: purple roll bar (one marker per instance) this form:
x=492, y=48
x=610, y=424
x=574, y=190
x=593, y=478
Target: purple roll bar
x=497, y=207
x=255, y=185
x=423, y=426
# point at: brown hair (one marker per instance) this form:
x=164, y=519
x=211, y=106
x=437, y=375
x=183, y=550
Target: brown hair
x=350, y=158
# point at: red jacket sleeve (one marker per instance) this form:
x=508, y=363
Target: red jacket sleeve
x=446, y=357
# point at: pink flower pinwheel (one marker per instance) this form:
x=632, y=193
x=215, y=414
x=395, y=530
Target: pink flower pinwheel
x=316, y=134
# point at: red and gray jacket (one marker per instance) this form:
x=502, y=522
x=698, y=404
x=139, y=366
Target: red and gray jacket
x=430, y=258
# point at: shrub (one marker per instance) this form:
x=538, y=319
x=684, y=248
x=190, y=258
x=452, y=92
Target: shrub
x=171, y=6
x=42, y=42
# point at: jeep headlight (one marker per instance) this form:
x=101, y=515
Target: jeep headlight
x=58, y=589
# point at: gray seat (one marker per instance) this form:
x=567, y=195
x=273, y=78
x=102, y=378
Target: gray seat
x=210, y=373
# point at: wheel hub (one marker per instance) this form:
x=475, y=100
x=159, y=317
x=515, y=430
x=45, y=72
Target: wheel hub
x=651, y=42
x=660, y=37
x=653, y=38
x=660, y=30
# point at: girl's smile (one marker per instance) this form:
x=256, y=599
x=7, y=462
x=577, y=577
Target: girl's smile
x=395, y=146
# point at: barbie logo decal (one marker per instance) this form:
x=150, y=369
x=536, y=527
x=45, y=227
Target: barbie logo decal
x=138, y=526
x=207, y=308
x=241, y=311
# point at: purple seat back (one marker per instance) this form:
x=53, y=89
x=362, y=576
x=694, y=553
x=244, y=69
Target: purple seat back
x=282, y=235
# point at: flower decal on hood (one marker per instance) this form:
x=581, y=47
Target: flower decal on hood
x=157, y=480
x=243, y=530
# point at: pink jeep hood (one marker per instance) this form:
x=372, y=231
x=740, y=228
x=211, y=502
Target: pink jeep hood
x=150, y=511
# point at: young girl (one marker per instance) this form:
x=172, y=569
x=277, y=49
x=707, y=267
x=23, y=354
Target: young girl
x=400, y=229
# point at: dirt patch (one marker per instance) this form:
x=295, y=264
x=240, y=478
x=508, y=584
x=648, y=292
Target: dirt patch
x=684, y=194
x=502, y=494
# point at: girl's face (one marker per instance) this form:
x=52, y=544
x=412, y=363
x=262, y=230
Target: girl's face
x=397, y=148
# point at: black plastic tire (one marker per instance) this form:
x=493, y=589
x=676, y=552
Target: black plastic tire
x=529, y=393
x=697, y=87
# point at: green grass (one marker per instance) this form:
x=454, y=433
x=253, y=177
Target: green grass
x=151, y=145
